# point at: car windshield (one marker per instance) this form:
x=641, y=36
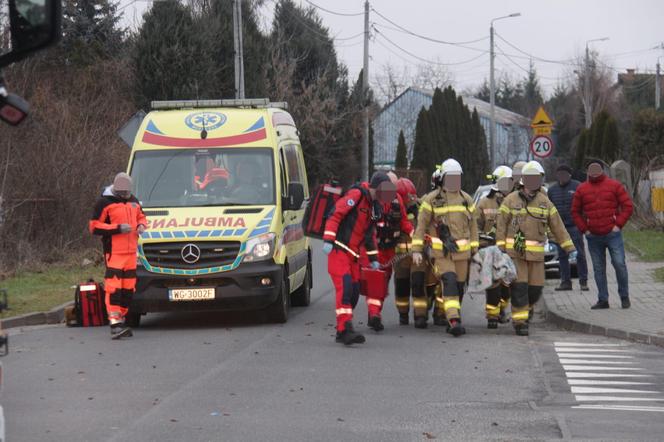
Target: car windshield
x=204, y=177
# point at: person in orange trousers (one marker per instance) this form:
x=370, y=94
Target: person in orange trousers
x=119, y=219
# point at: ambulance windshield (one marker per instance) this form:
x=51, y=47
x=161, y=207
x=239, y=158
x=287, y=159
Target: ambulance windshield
x=204, y=177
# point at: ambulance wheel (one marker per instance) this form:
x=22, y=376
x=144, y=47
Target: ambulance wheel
x=278, y=312
x=133, y=319
x=302, y=296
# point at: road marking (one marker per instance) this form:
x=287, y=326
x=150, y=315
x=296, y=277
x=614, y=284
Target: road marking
x=585, y=355
x=588, y=361
x=591, y=398
x=585, y=367
x=594, y=350
x=619, y=407
x=585, y=344
x=603, y=390
x=596, y=382
x=573, y=375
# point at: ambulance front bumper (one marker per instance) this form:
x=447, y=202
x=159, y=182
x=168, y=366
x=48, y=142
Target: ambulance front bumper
x=251, y=286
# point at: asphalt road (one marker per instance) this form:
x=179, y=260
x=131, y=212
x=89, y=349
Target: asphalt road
x=211, y=377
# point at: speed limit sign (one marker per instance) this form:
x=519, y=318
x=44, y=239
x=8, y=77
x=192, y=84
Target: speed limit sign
x=541, y=146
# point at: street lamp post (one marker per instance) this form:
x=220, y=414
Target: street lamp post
x=492, y=86
x=587, y=99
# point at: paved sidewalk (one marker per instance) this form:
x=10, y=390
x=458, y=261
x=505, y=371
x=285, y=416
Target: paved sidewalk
x=643, y=322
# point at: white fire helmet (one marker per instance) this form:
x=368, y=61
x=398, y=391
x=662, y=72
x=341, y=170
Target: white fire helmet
x=532, y=168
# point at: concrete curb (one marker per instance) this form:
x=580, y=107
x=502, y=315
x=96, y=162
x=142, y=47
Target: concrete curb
x=53, y=316
x=586, y=327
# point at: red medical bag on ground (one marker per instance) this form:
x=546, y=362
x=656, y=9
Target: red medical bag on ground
x=90, y=305
x=320, y=208
x=373, y=283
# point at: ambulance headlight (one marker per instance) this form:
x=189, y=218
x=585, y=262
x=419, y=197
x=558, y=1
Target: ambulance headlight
x=260, y=248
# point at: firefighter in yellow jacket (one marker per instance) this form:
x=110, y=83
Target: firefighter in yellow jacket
x=497, y=298
x=525, y=217
x=448, y=216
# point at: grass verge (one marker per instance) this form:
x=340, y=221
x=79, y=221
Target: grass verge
x=38, y=291
x=649, y=246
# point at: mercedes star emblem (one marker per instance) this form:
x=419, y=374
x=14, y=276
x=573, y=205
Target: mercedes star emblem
x=190, y=253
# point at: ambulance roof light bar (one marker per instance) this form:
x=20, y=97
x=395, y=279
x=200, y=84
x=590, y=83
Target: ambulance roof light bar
x=256, y=103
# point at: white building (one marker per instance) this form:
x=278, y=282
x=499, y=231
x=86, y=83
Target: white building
x=512, y=129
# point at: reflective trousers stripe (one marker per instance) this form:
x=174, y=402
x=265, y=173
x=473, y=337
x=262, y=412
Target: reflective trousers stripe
x=420, y=303
x=520, y=316
x=375, y=302
x=400, y=303
x=452, y=303
x=493, y=310
x=344, y=311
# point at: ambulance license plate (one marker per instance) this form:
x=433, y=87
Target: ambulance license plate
x=201, y=294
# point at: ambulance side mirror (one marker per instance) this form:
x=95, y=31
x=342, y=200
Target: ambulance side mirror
x=295, y=197
x=34, y=24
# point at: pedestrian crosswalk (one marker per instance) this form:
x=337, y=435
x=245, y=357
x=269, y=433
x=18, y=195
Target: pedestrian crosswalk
x=608, y=377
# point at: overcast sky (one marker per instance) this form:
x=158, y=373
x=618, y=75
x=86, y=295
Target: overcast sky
x=548, y=30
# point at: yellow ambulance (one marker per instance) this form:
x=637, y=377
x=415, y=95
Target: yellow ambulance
x=223, y=185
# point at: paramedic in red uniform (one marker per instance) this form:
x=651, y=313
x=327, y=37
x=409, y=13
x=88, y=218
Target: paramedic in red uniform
x=389, y=229
x=348, y=229
x=119, y=220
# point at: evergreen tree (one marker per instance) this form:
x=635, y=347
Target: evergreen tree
x=532, y=92
x=611, y=141
x=90, y=30
x=401, y=160
x=581, y=146
x=422, y=151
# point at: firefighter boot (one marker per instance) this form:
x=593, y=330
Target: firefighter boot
x=375, y=323
x=402, y=298
x=349, y=336
x=493, y=307
x=403, y=318
x=520, y=308
x=455, y=328
x=521, y=329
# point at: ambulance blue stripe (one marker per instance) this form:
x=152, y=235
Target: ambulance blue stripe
x=240, y=232
x=178, y=234
x=265, y=222
x=216, y=233
x=204, y=233
x=167, y=235
x=260, y=231
x=191, y=233
x=257, y=125
x=228, y=232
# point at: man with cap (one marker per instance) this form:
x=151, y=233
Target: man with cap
x=349, y=229
x=447, y=215
x=525, y=217
x=601, y=207
x=118, y=218
x=561, y=195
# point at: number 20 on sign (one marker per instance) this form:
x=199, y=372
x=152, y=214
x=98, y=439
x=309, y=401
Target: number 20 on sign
x=541, y=146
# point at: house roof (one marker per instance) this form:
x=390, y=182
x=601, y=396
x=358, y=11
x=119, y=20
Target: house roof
x=503, y=116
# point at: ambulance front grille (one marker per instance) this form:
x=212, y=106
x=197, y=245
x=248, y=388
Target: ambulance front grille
x=212, y=254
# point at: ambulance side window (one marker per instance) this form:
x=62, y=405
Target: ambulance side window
x=282, y=174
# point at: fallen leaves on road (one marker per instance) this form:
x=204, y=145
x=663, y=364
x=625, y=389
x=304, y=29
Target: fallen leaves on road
x=428, y=435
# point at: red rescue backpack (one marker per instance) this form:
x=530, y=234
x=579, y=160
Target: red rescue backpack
x=320, y=208
x=90, y=305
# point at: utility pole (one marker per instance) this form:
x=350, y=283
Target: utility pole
x=365, y=93
x=658, y=87
x=587, y=105
x=238, y=47
x=492, y=93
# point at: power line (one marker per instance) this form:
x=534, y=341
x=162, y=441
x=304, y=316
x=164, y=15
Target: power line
x=424, y=59
x=424, y=37
x=544, y=60
x=526, y=70
x=343, y=14
x=322, y=36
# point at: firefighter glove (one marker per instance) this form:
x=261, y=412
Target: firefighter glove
x=327, y=248
x=140, y=229
x=417, y=258
x=375, y=265
x=124, y=228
